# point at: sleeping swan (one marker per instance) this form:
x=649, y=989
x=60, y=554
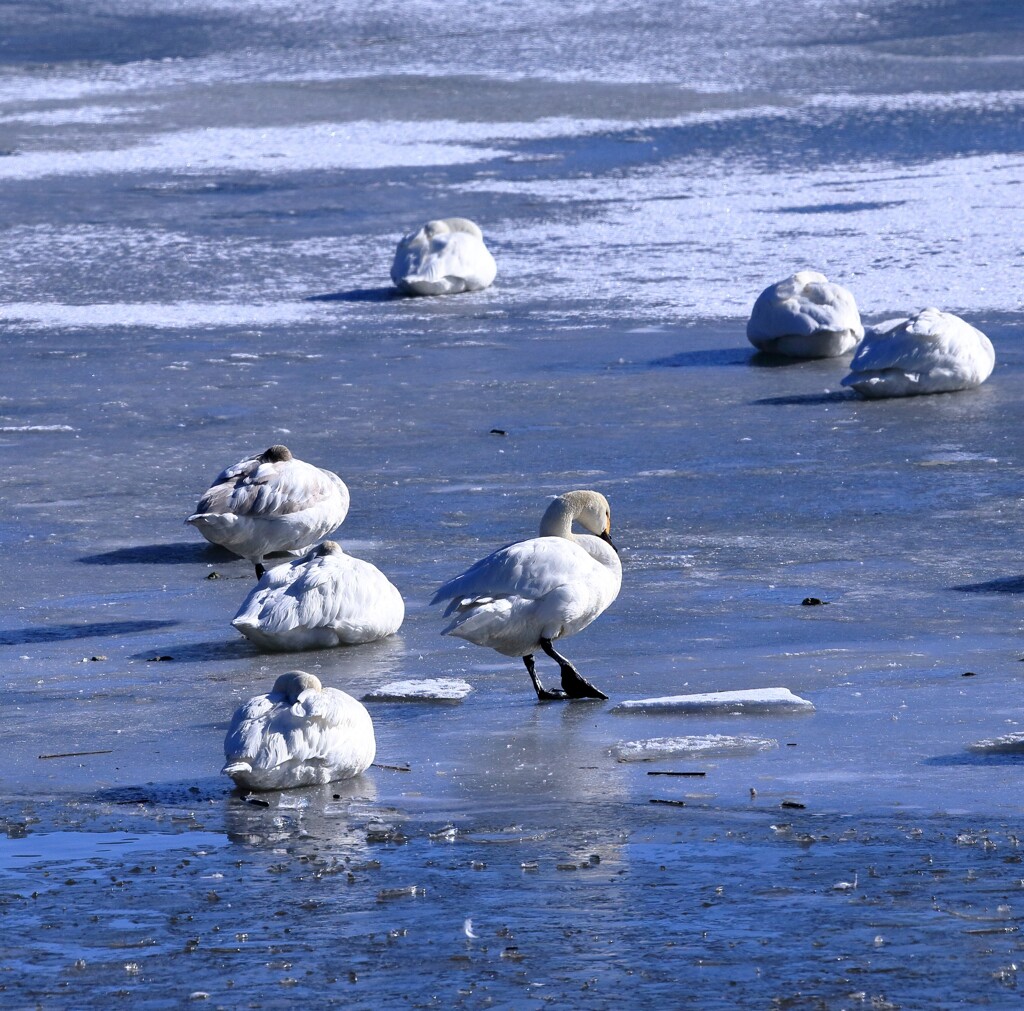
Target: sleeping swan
x=805, y=316
x=327, y=598
x=443, y=258
x=524, y=596
x=931, y=352
x=271, y=502
x=300, y=734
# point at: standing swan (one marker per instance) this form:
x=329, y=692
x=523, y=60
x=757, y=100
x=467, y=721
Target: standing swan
x=271, y=502
x=444, y=257
x=328, y=598
x=300, y=734
x=527, y=594
x=931, y=352
x=805, y=316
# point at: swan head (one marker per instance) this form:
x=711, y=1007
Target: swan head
x=276, y=454
x=588, y=508
x=326, y=548
x=294, y=683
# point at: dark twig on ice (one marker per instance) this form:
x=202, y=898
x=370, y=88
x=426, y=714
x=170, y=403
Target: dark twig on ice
x=78, y=754
x=392, y=768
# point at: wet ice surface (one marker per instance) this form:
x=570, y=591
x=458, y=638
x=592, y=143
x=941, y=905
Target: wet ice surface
x=200, y=206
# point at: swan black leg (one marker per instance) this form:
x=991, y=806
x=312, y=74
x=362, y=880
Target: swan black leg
x=542, y=693
x=574, y=684
x=260, y=570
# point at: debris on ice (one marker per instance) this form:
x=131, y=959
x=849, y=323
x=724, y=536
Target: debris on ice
x=757, y=700
x=431, y=690
x=704, y=746
x=1008, y=744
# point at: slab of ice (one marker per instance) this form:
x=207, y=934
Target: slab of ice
x=757, y=700
x=704, y=746
x=431, y=690
x=1007, y=744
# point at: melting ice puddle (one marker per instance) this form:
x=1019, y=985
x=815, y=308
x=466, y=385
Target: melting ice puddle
x=74, y=847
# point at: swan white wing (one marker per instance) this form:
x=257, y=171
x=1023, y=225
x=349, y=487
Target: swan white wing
x=530, y=569
x=333, y=591
x=927, y=342
x=457, y=254
x=245, y=736
x=336, y=728
x=274, y=489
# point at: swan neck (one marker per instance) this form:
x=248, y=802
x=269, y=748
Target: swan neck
x=557, y=520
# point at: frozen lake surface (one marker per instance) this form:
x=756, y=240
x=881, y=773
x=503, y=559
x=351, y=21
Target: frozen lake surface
x=199, y=205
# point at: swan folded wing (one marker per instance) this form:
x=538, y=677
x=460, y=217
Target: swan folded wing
x=805, y=316
x=903, y=350
x=282, y=492
x=527, y=569
x=456, y=254
x=245, y=735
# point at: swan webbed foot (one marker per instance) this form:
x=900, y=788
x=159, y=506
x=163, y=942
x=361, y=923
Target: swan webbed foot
x=260, y=570
x=543, y=694
x=574, y=684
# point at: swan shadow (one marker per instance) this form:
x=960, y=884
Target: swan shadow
x=359, y=295
x=222, y=649
x=702, y=359
x=766, y=360
x=806, y=399
x=978, y=758
x=168, y=794
x=178, y=553
x=66, y=633
x=1009, y=584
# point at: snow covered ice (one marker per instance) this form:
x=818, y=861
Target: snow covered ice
x=757, y=700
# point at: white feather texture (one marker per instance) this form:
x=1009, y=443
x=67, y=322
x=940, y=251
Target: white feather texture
x=444, y=257
x=271, y=502
x=301, y=734
x=328, y=598
x=545, y=588
x=931, y=352
x=805, y=316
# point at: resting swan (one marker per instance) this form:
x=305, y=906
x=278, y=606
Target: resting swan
x=444, y=257
x=522, y=597
x=931, y=352
x=327, y=598
x=805, y=316
x=271, y=502
x=300, y=734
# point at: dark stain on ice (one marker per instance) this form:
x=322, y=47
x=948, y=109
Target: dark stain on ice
x=1008, y=584
x=845, y=207
x=63, y=633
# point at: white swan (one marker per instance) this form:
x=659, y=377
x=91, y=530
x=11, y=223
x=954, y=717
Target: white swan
x=528, y=594
x=805, y=316
x=327, y=598
x=931, y=352
x=300, y=734
x=271, y=502
x=444, y=257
